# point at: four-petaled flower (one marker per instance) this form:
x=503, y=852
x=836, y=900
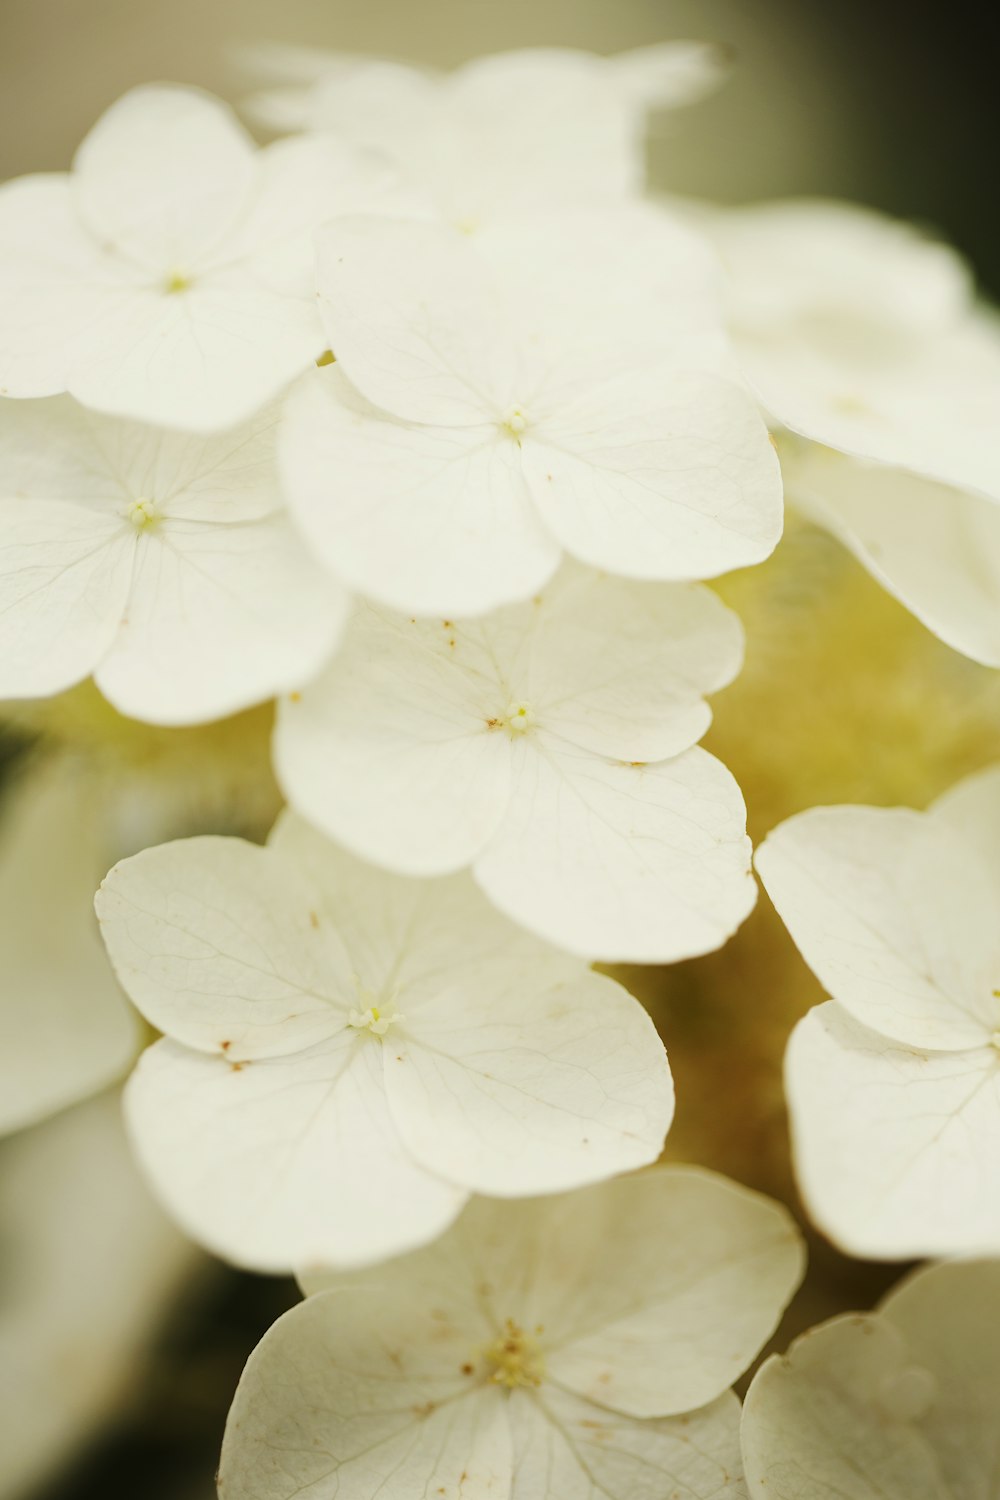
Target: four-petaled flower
x=548, y=746
x=507, y=397
x=285, y=1123
x=570, y=1348
x=894, y=1085
x=169, y=276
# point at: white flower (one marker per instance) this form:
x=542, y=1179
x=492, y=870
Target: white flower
x=349, y=1054
x=65, y=1030
x=861, y=335
x=547, y=745
x=504, y=134
x=164, y=564
x=169, y=276
x=900, y=1404
x=894, y=1087
x=574, y=1348
x=520, y=391
x=90, y=1271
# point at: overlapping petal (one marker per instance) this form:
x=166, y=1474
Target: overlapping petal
x=349, y=1053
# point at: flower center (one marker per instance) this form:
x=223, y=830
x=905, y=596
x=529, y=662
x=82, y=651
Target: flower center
x=514, y=422
x=515, y=1357
x=142, y=513
x=518, y=717
x=371, y=1014
x=175, y=282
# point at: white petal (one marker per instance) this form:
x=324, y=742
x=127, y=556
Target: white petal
x=76, y=1331
x=423, y=519
x=65, y=573
x=893, y=914
x=412, y=317
x=163, y=175
x=821, y=1422
x=948, y=1316
x=278, y=1162
x=65, y=1030
x=646, y=290
x=353, y=1395
x=926, y=403
x=834, y=265
x=656, y=1291
x=972, y=809
x=621, y=667
x=55, y=450
x=649, y=1293
x=566, y=1449
x=666, y=475
x=63, y=296
x=643, y=863
x=222, y=615
x=532, y=1087
x=201, y=359
x=667, y=75
x=391, y=751
x=219, y=944
x=300, y=184
x=894, y=1148
x=420, y=938
x=935, y=547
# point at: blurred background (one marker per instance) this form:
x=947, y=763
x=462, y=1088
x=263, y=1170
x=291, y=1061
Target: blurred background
x=845, y=697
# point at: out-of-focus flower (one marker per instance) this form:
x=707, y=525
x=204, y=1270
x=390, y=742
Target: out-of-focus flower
x=161, y=562
x=65, y=1029
x=547, y=745
x=89, y=1266
x=168, y=277
x=501, y=135
x=860, y=335
x=508, y=397
x=900, y=1404
x=894, y=1086
x=574, y=1348
x=349, y=1054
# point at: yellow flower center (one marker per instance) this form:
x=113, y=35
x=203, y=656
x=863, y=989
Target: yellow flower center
x=514, y=422
x=515, y=1357
x=372, y=1014
x=519, y=717
x=142, y=513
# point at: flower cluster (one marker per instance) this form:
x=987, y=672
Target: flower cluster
x=430, y=425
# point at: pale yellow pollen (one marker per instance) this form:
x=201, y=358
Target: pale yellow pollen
x=176, y=281
x=514, y=422
x=373, y=1015
x=515, y=1357
x=518, y=717
x=142, y=513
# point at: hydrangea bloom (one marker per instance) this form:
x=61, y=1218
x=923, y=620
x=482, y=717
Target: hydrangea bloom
x=897, y=1405
x=860, y=335
x=543, y=746
x=894, y=1086
x=169, y=276
x=507, y=134
x=162, y=563
x=349, y=1054
x=517, y=392
x=574, y=1348
x=65, y=1030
